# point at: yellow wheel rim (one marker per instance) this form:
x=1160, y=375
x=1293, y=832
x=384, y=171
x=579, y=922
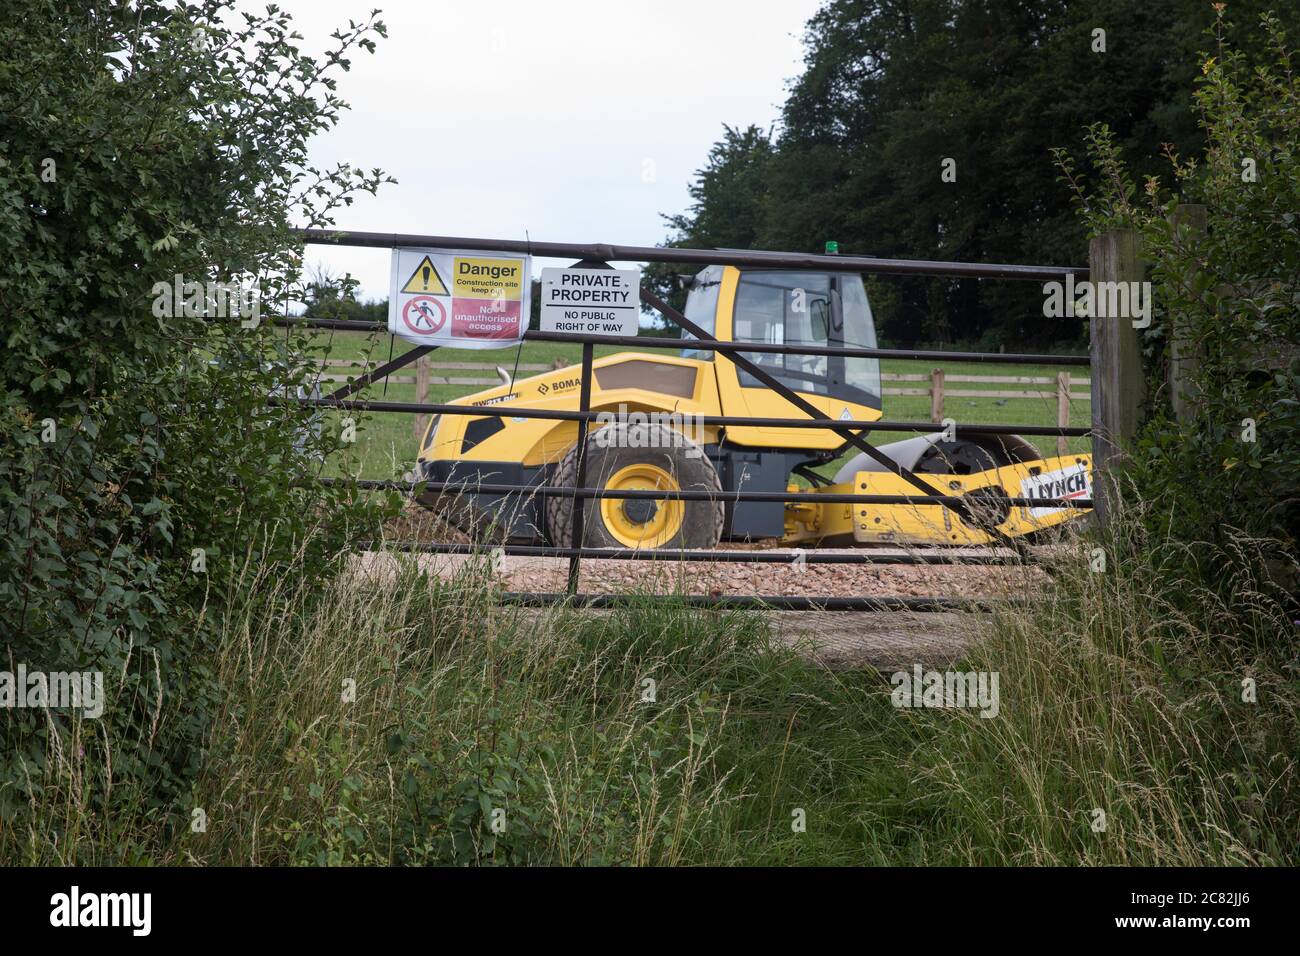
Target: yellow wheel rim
x=642, y=523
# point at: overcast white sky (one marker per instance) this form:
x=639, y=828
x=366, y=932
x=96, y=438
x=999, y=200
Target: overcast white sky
x=575, y=120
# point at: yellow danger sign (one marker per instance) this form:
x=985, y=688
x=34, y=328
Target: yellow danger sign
x=425, y=279
x=489, y=278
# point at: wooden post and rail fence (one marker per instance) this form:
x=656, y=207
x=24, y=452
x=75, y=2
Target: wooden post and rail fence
x=428, y=373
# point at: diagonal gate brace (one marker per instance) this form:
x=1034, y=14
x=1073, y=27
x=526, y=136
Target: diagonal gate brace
x=388, y=368
x=731, y=351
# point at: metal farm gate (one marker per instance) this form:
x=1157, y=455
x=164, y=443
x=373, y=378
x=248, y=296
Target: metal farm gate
x=853, y=432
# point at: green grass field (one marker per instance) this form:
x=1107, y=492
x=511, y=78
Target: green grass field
x=386, y=444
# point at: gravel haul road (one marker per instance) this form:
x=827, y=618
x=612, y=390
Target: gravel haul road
x=886, y=640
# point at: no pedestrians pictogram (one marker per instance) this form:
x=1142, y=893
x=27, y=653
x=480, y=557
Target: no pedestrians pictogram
x=424, y=315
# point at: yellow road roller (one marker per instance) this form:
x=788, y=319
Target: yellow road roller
x=649, y=435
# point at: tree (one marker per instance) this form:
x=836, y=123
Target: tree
x=729, y=197
x=1232, y=291
x=330, y=296
x=895, y=92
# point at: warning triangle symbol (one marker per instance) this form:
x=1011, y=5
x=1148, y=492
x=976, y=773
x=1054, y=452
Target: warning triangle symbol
x=425, y=279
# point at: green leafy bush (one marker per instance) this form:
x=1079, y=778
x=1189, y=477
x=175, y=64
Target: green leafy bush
x=140, y=463
x=1228, y=293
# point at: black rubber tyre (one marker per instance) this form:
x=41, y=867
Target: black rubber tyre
x=625, y=444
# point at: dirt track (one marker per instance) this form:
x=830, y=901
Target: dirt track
x=885, y=640
x=601, y=576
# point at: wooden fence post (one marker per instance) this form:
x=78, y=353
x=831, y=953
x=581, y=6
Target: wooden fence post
x=1184, y=353
x=1062, y=409
x=1118, y=382
x=421, y=395
x=936, y=395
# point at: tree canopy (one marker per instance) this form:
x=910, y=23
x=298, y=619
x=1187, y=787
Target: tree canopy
x=891, y=89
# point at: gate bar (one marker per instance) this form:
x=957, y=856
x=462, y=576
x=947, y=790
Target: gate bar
x=576, y=522
x=705, y=257
x=785, y=556
x=658, y=342
x=774, y=602
x=656, y=494
x=918, y=355
x=512, y=411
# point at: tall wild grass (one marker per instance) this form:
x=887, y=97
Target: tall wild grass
x=394, y=717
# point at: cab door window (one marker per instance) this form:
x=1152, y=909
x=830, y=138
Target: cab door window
x=702, y=308
x=784, y=308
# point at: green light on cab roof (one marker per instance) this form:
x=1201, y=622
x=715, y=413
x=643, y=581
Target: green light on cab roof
x=832, y=247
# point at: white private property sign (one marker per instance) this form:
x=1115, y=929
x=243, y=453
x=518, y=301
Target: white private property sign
x=594, y=301
x=467, y=300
